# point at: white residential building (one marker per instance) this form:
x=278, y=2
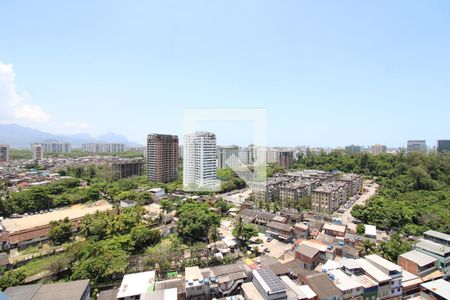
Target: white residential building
x=55, y=147
x=38, y=151
x=199, y=164
x=103, y=148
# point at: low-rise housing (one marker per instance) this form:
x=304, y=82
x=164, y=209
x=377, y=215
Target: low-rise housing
x=336, y=230
x=73, y=290
x=418, y=262
x=136, y=284
x=323, y=286
x=349, y=287
x=392, y=270
x=437, y=290
x=280, y=231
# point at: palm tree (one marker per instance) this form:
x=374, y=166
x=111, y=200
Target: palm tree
x=213, y=236
x=367, y=247
x=238, y=229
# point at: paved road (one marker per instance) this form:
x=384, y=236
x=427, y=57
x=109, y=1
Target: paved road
x=346, y=217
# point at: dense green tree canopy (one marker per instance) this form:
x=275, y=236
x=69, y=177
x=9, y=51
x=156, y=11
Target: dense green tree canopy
x=415, y=188
x=60, y=231
x=194, y=221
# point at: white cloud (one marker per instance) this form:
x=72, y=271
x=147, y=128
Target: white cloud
x=13, y=105
x=75, y=125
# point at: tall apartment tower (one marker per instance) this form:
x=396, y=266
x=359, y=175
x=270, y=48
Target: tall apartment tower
x=286, y=159
x=56, y=147
x=199, y=164
x=38, y=151
x=416, y=146
x=4, y=152
x=162, y=157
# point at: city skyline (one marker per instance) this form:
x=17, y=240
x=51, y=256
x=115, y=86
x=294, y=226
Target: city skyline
x=321, y=71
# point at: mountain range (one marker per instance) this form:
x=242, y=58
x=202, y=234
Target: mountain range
x=17, y=136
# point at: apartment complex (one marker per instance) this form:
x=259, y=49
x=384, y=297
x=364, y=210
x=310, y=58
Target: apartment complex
x=286, y=159
x=103, y=147
x=56, y=147
x=4, y=153
x=292, y=192
x=329, y=196
x=443, y=146
x=127, y=168
x=162, y=157
x=199, y=164
x=227, y=157
x=416, y=146
x=378, y=149
x=37, y=151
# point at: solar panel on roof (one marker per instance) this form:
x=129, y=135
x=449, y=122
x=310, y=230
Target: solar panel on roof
x=273, y=282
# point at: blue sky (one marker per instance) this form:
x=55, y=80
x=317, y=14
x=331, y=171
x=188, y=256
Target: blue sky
x=328, y=73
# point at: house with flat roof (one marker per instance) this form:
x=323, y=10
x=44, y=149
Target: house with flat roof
x=350, y=288
x=224, y=280
x=269, y=285
x=437, y=289
x=301, y=292
x=418, y=262
x=301, y=230
x=360, y=267
x=73, y=290
x=370, y=231
x=437, y=237
x=196, y=286
x=280, y=231
x=136, y=284
x=336, y=230
x=392, y=270
x=438, y=251
x=309, y=256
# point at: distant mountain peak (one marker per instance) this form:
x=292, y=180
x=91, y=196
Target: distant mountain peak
x=22, y=137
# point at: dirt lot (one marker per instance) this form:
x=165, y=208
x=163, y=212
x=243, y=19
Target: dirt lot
x=276, y=247
x=75, y=211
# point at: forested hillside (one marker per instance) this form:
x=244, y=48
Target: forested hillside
x=415, y=188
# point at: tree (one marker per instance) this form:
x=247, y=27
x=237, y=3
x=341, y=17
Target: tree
x=360, y=229
x=194, y=221
x=393, y=248
x=144, y=236
x=213, y=234
x=100, y=262
x=12, y=278
x=60, y=231
x=248, y=232
x=223, y=205
x=244, y=232
x=238, y=229
x=166, y=205
x=366, y=247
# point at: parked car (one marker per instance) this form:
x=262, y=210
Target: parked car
x=269, y=239
x=16, y=216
